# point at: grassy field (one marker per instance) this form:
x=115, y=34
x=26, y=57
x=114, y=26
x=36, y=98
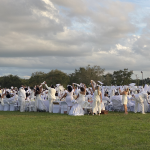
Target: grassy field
x=44, y=131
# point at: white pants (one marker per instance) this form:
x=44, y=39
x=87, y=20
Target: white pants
x=51, y=105
x=136, y=106
x=96, y=106
x=22, y=105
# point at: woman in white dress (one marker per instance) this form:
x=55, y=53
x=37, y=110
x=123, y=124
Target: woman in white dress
x=97, y=99
x=77, y=109
x=39, y=105
x=124, y=98
x=69, y=96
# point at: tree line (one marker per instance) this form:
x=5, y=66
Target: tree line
x=81, y=75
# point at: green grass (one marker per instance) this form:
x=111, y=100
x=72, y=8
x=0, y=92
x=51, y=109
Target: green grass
x=44, y=131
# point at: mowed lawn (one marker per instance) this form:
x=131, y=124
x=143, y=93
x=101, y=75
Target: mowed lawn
x=44, y=131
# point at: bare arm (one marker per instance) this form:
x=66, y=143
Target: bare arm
x=84, y=89
x=41, y=89
x=77, y=96
x=101, y=97
x=92, y=86
x=73, y=86
x=63, y=96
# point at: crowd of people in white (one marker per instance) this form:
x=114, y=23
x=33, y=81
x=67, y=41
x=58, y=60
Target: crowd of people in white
x=77, y=99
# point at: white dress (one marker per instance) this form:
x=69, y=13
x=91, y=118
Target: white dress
x=40, y=104
x=96, y=103
x=69, y=98
x=77, y=109
x=124, y=99
x=81, y=99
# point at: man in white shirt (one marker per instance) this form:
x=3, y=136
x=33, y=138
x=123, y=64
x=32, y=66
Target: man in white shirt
x=51, y=96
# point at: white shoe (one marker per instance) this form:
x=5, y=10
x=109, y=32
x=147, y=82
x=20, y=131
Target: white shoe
x=143, y=113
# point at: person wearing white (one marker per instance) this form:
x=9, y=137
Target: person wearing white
x=51, y=96
x=77, y=109
x=76, y=90
x=124, y=98
x=32, y=93
x=81, y=96
x=22, y=96
x=138, y=99
x=97, y=99
x=39, y=102
x=69, y=96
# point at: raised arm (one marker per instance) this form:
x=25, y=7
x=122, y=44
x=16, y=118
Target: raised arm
x=92, y=86
x=121, y=93
x=73, y=86
x=63, y=96
x=101, y=96
x=47, y=86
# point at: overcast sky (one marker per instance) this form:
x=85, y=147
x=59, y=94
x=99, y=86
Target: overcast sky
x=41, y=35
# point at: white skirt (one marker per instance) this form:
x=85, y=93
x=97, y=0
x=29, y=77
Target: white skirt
x=76, y=110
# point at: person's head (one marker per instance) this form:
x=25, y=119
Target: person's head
x=82, y=89
x=52, y=86
x=106, y=95
x=25, y=88
x=7, y=95
x=116, y=93
x=37, y=90
x=69, y=88
x=97, y=88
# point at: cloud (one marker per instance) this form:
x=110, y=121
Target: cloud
x=56, y=34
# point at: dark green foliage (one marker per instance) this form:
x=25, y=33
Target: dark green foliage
x=85, y=75
x=81, y=75
x=56, y=76
x=37, y=78
x=108, y=79
x=10, y=80
x=122, y=77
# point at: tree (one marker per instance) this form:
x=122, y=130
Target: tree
x=122, y=77
x=56, y=76
x=107, y=79
x=37, y=78
x=10, y=80
x=84, y=75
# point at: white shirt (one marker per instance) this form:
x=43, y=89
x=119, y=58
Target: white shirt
x=51, y=92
